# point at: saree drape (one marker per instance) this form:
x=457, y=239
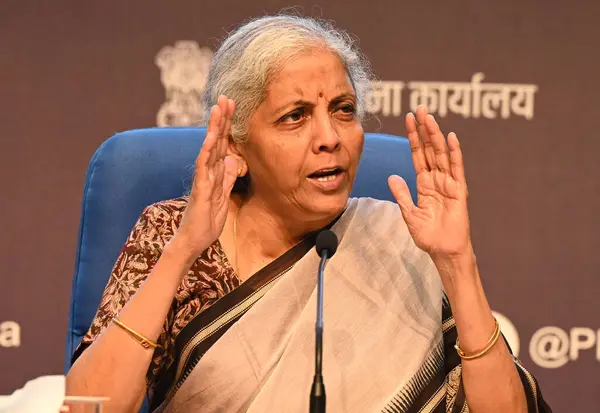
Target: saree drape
x=229, y=346
x=386, y=320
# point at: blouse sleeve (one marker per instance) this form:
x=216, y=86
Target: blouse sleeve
x=135, y=262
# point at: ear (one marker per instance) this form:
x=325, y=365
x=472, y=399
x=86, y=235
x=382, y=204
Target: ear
x=237, y=151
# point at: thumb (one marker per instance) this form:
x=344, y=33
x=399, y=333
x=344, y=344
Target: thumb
x=400, y=191
x=231, y=174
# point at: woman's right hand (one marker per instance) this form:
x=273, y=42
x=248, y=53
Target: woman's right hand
x=115, y=365
x=215, y=174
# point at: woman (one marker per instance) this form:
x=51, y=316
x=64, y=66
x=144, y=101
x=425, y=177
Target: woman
x=211, y=303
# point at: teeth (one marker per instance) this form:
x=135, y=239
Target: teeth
x=326, y=178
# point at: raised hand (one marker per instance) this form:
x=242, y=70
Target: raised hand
x=439, y=223
x=215, y=175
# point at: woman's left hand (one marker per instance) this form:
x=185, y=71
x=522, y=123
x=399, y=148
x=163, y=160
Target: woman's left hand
x=439, y=223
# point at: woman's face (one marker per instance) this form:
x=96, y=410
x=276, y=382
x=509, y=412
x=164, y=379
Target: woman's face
x=305, y=140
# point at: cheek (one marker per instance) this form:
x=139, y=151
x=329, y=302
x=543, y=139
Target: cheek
x=280, y=164
x=354, y=145
x=358, y=147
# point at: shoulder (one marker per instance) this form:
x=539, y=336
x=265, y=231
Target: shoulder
x=370, y=208
x=377, y=219
x=165, y=215
x=376, y=204
x=157, y=224
x=381, y=222
x=168, y=209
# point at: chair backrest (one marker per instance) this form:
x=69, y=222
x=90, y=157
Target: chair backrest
x=134, y=169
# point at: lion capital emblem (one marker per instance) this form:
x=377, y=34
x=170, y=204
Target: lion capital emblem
x=184, y=68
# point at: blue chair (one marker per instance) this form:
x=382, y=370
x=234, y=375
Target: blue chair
x=134, y=169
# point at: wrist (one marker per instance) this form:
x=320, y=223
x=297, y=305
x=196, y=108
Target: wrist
x=181, y=250
x=470, y=308
x=457, y=269
x=464, y=256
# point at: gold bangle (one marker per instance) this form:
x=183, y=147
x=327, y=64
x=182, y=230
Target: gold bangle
x=144, y=342
x=490, y=343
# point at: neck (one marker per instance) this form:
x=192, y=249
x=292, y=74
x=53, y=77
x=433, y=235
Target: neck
x=265, y=233
x=262, y=233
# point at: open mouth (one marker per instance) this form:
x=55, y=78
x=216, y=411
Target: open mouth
x=324, y=175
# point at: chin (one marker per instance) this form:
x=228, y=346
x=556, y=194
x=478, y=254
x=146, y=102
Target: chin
x=329, y=206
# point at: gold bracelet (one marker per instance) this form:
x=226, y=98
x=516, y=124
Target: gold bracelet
x=490, y=343
x=144, y=342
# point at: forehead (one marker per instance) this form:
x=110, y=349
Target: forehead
x=314, y=72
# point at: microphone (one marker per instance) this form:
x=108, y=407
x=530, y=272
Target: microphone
x=326, y=245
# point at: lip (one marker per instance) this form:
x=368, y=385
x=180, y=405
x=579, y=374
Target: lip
x=326, y=168
x=332, y=185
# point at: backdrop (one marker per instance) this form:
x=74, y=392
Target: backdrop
x=517, y=80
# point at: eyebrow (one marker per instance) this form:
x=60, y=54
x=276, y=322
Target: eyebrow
x=341, y=97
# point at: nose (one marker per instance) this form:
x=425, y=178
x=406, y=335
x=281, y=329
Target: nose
x=325, y=136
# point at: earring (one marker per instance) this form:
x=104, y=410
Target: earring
x=240, y=170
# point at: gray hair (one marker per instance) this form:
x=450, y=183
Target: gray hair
x=249, y=57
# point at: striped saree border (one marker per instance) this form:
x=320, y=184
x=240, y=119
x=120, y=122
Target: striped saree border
x=201, y=333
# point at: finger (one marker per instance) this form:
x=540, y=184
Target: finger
x=231, y=168
x=203, y=159
x=402, y=195
x=213, y=122
x=456, y=159
x=224, y=140
x=424, y=136
x=442, y=157
x=222, y=103
x=218, y=154
x=416, y=146
x=216, y=118
x=213, y=128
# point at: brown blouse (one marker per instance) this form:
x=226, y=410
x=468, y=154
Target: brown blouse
x=210, y=278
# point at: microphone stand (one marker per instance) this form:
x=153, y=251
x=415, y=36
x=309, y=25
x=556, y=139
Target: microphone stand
x=317, y=393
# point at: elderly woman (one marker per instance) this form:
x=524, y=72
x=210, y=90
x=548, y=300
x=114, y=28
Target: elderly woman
x=210, y=307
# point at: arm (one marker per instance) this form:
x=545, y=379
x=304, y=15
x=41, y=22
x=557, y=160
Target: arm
x=439, y=225
x=491, y=383
x=115, y=364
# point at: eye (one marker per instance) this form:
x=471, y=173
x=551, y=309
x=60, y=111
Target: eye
x=346, y=110
x=294, y=116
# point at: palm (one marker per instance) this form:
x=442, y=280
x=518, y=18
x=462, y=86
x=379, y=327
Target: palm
x=439, y=223
x=216, y=172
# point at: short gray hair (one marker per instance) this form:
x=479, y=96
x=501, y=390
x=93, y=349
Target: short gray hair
x=250, y=56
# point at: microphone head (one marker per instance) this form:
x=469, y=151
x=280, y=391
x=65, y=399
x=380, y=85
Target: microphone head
x=326, y=240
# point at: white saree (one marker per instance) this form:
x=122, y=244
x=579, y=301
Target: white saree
x=382, y=329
